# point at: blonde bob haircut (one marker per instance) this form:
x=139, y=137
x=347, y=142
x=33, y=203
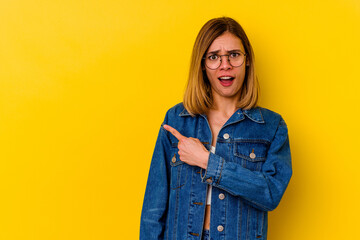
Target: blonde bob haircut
x=198, y=96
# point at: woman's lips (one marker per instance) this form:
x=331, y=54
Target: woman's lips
x=226, y=81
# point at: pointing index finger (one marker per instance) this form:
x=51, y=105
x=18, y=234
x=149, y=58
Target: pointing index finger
x=174, y=132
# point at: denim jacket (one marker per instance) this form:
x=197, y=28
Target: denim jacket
x=249, y=172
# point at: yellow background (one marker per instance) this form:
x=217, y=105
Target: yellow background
x=84, y=87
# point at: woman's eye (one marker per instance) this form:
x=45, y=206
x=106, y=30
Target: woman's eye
x=213, y=57
x=234, y=55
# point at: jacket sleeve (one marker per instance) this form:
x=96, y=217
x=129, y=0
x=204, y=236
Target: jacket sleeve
x=154, y=210
x=262, y=189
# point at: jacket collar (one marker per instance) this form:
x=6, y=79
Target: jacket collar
x=253, y=114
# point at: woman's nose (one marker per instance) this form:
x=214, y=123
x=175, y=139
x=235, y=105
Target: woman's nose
x=225, y=63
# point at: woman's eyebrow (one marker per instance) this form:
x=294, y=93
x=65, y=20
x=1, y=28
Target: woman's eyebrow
x=233, y=50
x=213, y=52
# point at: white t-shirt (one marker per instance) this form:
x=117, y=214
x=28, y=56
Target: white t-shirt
x=208, y=197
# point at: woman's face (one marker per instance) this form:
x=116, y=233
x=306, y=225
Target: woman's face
x=226, y=80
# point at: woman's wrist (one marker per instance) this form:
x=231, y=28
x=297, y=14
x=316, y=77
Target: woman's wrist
x=205, y=160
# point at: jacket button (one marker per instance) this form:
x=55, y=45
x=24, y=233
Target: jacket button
x=221, y=196
x=173, y=159
x=209, y=180
x=220, y=228
x=226, y=136
x=252, y=155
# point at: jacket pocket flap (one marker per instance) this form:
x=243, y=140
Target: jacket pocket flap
x=254, y=151
x=175, y=158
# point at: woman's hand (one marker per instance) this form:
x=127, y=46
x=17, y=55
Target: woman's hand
x=191, y=150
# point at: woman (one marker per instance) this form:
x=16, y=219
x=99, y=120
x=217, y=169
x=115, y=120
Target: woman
x=220, y=162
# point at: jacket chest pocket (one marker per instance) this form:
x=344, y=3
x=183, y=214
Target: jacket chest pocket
x=251, y=154
x=179, y=170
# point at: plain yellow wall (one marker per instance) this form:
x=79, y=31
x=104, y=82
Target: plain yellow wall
x=84, y=87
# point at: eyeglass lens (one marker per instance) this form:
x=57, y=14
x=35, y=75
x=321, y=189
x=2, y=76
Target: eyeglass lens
x=214, y=61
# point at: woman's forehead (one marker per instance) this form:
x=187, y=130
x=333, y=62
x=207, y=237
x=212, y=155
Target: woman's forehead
x=226, y=42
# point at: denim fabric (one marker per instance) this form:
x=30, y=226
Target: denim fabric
x=248, y=172
x=206, y=235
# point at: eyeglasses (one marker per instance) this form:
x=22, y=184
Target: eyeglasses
x=213, y=61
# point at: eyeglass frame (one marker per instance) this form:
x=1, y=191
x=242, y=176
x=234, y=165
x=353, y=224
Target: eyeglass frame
x=228, y=57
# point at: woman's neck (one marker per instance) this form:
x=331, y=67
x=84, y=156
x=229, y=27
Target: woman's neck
x=225, y=106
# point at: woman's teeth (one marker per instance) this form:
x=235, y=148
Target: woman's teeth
x=226, y=81
x=226, y=78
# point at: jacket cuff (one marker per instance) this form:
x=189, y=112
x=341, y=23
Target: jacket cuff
x=213, y=171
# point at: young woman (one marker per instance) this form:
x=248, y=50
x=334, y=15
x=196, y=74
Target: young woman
x=220, y=161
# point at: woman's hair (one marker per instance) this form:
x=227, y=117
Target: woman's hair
x=198, y=96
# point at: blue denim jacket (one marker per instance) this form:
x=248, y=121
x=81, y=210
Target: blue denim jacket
x=249, y=173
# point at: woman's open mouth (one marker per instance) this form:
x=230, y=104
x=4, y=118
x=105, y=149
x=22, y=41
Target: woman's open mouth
x=226, y=80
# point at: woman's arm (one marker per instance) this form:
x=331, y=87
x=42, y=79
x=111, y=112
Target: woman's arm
x=265, y=188
x=154, y=211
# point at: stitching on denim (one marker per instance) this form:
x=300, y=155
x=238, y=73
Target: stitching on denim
x=180, y=171
x=177, y=163
x=206, y=169
x=244, y=145
x=176, y=213
x=222, y=165
x=259, y=226
x=277, y=128
x=167, y=230
x=249, y=115
x=226, y=189
x=236, y=121
x=257, y=159
x=262, y=222
x=250, y=141
x=258, y=166
x=240, y=219
x=257, y=223
x=225, y=203
x=194, y=234
x=223, y=160
x=191, y=196
x=173, y=188
x=257, y=204
x=262, y=118
x=247, y=224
